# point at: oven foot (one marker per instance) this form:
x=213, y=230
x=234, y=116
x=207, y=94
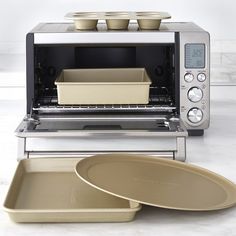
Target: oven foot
x=195, y=132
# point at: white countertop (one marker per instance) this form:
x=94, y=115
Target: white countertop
x=215, y=151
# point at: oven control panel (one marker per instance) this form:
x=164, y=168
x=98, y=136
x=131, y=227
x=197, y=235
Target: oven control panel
x=194, y=79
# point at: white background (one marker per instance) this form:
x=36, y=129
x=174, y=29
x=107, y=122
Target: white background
x=18, y=17
x=215, y=151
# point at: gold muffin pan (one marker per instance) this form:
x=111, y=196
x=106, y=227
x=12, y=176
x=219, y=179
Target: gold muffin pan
x=147, y=20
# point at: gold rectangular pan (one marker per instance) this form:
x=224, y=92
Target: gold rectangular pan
x=103, y=86
x=48, y=190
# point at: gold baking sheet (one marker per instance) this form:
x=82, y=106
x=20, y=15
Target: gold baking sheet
x=48, y=190
x=158, y=182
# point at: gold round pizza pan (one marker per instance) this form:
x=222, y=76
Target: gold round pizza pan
x=158, y=182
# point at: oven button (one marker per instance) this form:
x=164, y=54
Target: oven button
x=201, y=77
x=195, y=115
x=188, y=77
x=195, y=94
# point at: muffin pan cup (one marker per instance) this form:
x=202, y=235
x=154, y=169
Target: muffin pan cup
x=86, y=24
x=117, y=24
x=117, y=20
x=85, y=20
x=147, y=23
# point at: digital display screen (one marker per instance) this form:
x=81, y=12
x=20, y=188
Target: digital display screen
x=194, y=56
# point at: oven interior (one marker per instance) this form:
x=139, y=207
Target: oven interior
x=159, y=60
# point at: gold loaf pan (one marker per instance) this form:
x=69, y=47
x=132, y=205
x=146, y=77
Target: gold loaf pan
x=48, y=190
x=103, y=86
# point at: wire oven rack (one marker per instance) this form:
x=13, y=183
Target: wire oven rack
x=48, y=103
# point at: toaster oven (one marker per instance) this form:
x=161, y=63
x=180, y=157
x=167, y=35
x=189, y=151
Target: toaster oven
x=176, y=58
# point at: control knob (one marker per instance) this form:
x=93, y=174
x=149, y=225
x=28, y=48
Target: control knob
x=195, y=94
x=188, y=77
x=201, y=77
x=195, y=115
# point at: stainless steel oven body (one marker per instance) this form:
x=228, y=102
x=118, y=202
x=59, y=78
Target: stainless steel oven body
x=176, y=58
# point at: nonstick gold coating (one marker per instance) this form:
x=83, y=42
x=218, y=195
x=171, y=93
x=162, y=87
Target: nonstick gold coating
x=85, y=20
x=149, y=24
x=48, y=190
x=86, y=24
x=117, y=20
x=158, y=182
x=117, y=15
x=103, y=86
x=117, y=24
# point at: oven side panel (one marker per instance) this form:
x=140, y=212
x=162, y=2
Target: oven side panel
x=29, y=71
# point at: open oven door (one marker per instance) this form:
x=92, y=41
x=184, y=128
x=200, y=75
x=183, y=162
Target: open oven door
x=81, y=136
